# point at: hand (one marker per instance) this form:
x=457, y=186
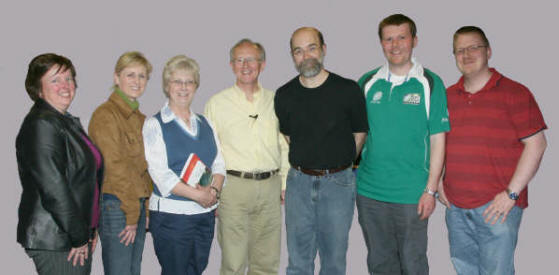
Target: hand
x=442, y=195
x=78, y=254
x=501, y=205
x=425, y=206
x=147, y=223
x=205, y=196
x=282, y=196
x=93, y=242
x=128, y=234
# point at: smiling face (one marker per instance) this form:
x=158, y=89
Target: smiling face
x=397, y=44
x=471, y=54
x=58, y=88
x=246, y=64
x=132, y=80
x=181, y=89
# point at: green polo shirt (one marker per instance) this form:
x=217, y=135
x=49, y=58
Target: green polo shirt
x=395, y=160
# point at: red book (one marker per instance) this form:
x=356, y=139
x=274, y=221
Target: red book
x=195, y=172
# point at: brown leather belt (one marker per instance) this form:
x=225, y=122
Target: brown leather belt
x=252, y=176
x=318, y=172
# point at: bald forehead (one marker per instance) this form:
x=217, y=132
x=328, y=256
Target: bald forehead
x=303, y=32
x=246, y=45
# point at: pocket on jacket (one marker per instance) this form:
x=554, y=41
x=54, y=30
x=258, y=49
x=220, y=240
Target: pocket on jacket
x=134, y=144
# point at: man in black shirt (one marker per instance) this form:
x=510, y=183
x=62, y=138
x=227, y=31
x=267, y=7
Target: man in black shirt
x=323, y=117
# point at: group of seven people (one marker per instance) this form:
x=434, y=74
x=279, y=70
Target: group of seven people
x=296, y=146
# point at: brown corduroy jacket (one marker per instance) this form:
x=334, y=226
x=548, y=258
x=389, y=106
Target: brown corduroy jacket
x=116, y=129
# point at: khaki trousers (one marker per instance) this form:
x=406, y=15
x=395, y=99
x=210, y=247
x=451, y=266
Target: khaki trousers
x=249, y=226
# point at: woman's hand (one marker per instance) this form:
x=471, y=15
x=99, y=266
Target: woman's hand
x=206, y=197
x=128, y=234
x=93, y=242
x=78, y=254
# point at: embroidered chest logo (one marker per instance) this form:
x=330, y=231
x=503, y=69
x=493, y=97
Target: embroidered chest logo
x=376, y=97
x=413, y=99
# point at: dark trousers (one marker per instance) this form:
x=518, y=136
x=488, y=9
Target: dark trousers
x=182, y=242
x=395, y=237
x=49, y=262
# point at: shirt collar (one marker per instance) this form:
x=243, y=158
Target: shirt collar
x=416, y=71
x=132, y=103
x=122, y=105
x=167, y=114
x=240, y=93
x=491, y=83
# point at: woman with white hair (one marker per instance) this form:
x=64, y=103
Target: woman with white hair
x=182, y=214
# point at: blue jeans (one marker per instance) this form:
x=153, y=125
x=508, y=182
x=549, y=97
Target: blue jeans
x=318, y=216
x=477, y=247
x=118, y=258
x=182, y=242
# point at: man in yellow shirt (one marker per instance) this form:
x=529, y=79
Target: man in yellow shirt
x=255, y=153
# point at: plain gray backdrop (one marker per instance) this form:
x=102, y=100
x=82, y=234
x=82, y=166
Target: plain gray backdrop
x=93, y=34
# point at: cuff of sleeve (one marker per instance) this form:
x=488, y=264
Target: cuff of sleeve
x=146, y=206
x=168, y=186
x=79, y=237
x=131, y=211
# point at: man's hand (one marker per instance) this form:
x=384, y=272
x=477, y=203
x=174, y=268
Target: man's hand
x=500, y=206
x=282, y=196
x=425, y=206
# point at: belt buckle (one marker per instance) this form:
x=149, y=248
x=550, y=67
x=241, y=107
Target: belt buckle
x=322, y=173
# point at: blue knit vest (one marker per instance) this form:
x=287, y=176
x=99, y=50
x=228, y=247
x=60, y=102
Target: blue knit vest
x=179, y=144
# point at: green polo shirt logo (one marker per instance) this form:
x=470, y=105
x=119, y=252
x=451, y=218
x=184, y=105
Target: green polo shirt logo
x=377, y=97
x=412, y=99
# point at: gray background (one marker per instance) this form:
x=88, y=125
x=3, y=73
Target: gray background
x=93, y=34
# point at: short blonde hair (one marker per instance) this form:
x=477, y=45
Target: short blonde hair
x=132, y=58
x=178, y=63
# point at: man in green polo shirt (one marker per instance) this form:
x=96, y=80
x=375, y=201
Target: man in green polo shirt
x=403, y=154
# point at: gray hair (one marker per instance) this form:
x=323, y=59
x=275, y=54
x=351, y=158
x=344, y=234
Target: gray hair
x=257, y=45
x=177, y=63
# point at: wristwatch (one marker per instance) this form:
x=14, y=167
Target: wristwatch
x=430, y=192
x=512, y=195
x=217, y=193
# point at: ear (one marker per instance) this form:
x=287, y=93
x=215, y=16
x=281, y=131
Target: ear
x=262, y=65
x=116, y=79
x=166, y=90
x=415, y=39
x=324, y=49
x=489, y=52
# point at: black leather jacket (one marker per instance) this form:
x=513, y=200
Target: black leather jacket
x=58, y=174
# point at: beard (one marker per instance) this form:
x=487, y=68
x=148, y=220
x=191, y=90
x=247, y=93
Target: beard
x=310, y=67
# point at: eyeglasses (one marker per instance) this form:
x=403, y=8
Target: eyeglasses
x=474, y=49
x=242, y=60
x=180, y=83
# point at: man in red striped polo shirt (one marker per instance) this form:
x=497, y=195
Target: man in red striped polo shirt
x=492, y=152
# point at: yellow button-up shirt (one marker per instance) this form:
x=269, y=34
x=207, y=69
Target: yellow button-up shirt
x=248, y=131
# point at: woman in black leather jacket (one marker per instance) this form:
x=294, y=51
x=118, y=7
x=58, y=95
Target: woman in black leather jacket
x=60, y=171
